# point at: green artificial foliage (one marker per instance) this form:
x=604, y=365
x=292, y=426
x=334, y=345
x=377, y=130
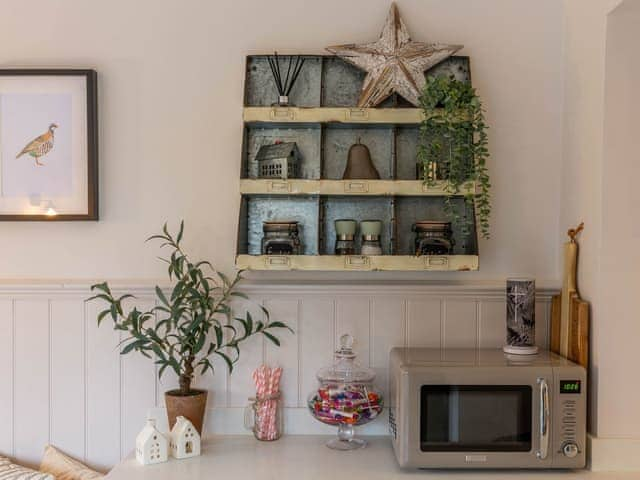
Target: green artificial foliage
x=190, y=324
x=453, y=147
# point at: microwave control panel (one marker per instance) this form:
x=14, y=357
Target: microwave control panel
x=570, y=419
x=569, y=440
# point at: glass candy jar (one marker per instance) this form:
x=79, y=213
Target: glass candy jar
x=346, y=397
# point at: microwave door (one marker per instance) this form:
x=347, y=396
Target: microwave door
x=493, y=417
x=476, y=418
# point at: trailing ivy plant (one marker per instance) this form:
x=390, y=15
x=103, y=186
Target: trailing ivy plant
x=190, y=325
x=453, y=147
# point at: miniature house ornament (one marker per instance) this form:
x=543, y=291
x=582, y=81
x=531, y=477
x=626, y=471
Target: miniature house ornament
x=394, y=63
x=151, y=445
x=185, y=440
x=279, y=160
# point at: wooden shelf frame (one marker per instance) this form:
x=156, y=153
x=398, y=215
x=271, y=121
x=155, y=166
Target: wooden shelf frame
x=358, y=262
x=348, y=187
x=348, y=115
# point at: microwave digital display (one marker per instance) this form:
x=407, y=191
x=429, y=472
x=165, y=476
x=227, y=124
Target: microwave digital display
x=569, y=386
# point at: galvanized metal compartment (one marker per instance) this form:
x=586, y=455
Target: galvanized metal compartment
x=324, y=124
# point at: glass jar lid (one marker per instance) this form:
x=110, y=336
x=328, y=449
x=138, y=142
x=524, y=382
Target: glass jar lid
x=280, y=226
x=432, y=226
x=345, y=369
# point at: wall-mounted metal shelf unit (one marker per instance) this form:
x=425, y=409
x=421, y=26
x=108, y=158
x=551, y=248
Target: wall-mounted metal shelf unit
x=324, y=124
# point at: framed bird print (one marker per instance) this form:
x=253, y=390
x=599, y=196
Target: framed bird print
x=48, y=145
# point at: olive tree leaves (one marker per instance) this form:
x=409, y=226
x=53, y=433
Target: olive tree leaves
x=190, y=324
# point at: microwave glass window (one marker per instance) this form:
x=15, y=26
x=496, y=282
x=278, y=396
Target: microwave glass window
x=478, y=418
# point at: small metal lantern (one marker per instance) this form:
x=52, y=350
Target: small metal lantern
x=281, y=238
x=279, y=160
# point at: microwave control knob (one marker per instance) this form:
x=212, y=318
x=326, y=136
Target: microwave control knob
x=570, y=449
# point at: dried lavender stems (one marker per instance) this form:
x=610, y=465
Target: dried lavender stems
x=284, y=88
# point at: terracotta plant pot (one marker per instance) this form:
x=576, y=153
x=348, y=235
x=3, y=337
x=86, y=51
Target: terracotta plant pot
x=190, y=406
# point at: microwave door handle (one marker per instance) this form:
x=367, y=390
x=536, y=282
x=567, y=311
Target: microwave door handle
x=544, y=419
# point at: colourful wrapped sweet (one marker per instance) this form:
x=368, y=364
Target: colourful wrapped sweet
x=346, y=397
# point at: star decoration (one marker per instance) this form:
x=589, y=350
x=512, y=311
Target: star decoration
x=394, y=63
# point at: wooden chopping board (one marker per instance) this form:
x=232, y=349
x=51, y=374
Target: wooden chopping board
x=577, y=331
x=570, y=316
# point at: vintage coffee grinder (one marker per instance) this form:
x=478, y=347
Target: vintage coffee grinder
x=281, y=238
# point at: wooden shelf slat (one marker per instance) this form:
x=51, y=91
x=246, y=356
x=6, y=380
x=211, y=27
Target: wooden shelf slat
x=334, y=115
x=345, y=187
x=357, y=262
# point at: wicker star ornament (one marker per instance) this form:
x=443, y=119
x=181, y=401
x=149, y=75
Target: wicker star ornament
x=394, y=63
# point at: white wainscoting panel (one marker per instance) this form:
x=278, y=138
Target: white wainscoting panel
x=103, y=392
x=65, y=383
x=31, y=383
x=6, y=374
x=67, y=375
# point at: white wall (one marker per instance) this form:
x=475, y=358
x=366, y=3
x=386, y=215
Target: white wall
x=170, y=78
x=620, y=256
x=584, y=46
x=600, y=159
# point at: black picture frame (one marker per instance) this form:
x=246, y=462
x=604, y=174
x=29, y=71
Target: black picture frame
x=91, y=79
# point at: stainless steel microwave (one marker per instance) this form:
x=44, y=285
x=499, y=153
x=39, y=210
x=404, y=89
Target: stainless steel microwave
x=464, y=408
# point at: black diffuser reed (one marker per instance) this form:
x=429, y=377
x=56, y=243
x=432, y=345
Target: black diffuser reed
x=285, y=83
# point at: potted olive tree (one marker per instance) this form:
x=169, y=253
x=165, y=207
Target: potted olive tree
x=190, y=325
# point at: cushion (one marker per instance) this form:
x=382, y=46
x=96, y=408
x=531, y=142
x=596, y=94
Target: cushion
x=63, y=467
x=11, y=471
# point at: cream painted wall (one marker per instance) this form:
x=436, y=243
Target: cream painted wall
x=600, y=160
x=170, y=118
x=618, y=415
x=581, y=198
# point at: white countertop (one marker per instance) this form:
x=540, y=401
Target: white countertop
x=305, y=456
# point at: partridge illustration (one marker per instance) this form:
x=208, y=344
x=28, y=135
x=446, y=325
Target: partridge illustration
x=40, y=146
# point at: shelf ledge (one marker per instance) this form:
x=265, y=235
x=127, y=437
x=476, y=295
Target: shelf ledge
x=348, y=187
x=358, y=262
x=335, y=115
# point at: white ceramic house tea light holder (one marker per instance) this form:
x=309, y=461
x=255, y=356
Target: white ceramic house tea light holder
x=185, y=440
x=151, y=445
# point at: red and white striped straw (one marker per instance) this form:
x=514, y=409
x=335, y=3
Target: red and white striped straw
x=267, y=381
